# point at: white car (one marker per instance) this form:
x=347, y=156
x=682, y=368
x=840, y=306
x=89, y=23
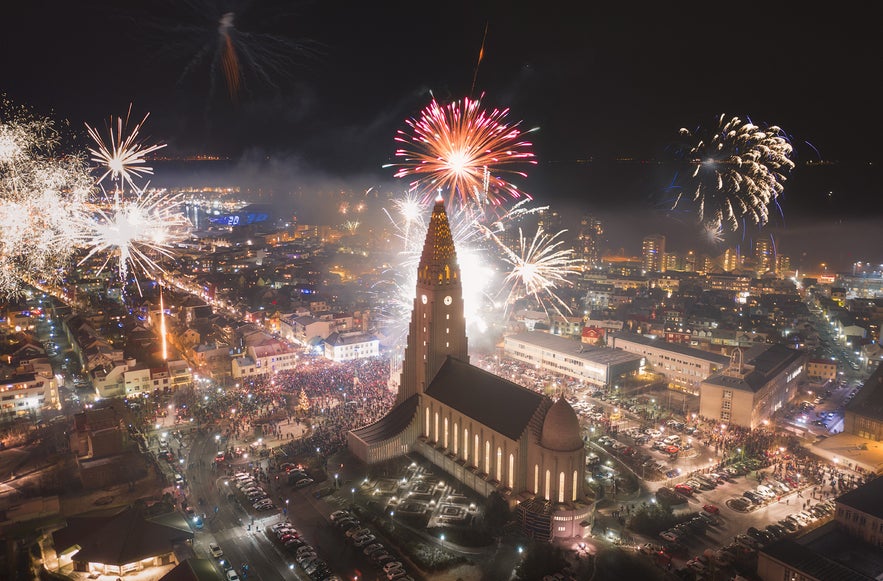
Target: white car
x=232, y=575
x=215, y=550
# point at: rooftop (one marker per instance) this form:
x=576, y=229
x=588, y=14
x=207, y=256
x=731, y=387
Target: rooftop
x=497, y=403
x=575, y=349
x=868, y=402
x=673, y=347
x=865, y=498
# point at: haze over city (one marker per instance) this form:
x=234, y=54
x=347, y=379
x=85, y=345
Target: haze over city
x=469, y=291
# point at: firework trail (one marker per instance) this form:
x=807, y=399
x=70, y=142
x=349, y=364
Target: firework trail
x=459, y=148
x=738, y=172
x=122, y=156
x=40, y=191
x=235, y=41
x=537, y=268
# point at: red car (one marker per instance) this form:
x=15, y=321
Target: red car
x=684, y=489
x=711, y=508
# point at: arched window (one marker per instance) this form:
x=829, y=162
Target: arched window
x=435, y=439
x=575, y=487
x=466, y=444
x=426, y=421
x=536, y=478
x=548, y=485
x=499, y=470
x=476, y=451
x=456, y=439
x=511, y=483
x=487, y=456
x=561, y=487
x=446, y=433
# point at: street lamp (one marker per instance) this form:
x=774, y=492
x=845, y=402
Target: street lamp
x=443, y=540
x=353, y=492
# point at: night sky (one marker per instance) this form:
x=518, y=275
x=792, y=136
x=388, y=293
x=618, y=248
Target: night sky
x=329, y=83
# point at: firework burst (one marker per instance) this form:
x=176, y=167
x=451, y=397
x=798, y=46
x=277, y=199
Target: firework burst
x=738, y=172
x=122, y=156
x=538, y=268
x=459, y=149
x=40, y=191
x=138, y=232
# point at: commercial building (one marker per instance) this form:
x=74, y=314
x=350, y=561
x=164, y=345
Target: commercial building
x=754, y=386
x=684, y=367
x=575, y=359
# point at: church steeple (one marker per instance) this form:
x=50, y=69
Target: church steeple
x=438, y=263
x=438, y=324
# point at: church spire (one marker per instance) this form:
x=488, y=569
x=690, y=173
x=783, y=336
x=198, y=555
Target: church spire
x=438, y=263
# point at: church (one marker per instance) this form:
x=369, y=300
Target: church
x=487, y=432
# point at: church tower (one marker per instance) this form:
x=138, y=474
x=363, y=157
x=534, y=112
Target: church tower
x=438, y=322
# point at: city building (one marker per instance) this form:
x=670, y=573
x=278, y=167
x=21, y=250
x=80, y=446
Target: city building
x=127, y=378
x=26, y=394
x=264, y=359
x=824, y=369
x=489, y=433
x=756, y=384
x=684, y=367
x=653, y=253
x=847, y=547
x=117, y=544
x=597, y=366
x=863, y=416
x=353, y=345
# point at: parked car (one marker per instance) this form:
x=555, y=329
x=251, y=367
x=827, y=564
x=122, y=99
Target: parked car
x=215, y=550
x=711, y=508
x=684, y=489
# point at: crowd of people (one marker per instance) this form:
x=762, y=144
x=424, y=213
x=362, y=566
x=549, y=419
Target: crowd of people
x=328, y=398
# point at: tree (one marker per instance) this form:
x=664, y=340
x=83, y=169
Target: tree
x=303, y=402
x=496, y=512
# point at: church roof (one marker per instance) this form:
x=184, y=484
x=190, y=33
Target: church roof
x=389, y=425
x=499, y=404
x=561, y=431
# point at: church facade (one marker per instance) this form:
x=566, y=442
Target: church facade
x=489, y=433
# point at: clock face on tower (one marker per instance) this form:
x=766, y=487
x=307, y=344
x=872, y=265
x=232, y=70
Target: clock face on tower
x=448, y=300
x=424, y=299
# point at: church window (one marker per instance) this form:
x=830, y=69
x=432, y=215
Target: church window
x=487, y=457
x=511, y=482
x=435, y=433
x=426, y=421
x=499, y=470
x=536, y=478
x=561, y=487
x=466, y=444
x=548, y=484
x=575, y=487
x=446, y=432
x=475, y=454
x=456, y=436
x=447, y=344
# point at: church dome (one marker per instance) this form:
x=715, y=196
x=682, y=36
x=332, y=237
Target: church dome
x=561, y=431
